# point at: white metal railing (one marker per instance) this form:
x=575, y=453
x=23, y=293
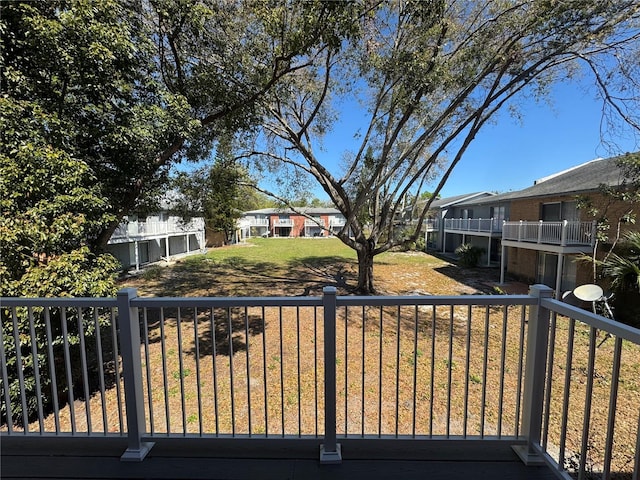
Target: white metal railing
x=485, y=225
x=314, y=223
x=562, y=233
x=327, y=367
x=151, y=228
x=283, y=222
x=337, y=222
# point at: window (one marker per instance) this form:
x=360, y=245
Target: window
x=551, y=212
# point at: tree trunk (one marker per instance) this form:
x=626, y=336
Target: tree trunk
x=365, y=269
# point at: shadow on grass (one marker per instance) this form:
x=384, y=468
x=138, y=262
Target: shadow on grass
x=481, y=279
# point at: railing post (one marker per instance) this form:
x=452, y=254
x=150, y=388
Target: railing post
x=540, y=223
x=129, y=327
x=563, y=234
x=330, y=451
x=520, y=231
x=534, y=376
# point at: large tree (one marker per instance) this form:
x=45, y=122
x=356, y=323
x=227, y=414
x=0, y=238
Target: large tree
x=430, y=75
x=138, y=86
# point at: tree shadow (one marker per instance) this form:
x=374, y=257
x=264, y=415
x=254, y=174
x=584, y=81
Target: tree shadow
x=481, y=279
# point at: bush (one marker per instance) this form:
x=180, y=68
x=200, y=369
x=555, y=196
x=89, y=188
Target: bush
x=469, y=255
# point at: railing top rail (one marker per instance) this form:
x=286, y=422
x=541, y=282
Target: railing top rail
x=213, y=302
x=58, y=302
x=618, y=329
x=436, y=300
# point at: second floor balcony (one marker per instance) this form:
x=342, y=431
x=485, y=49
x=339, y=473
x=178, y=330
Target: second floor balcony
x=569, y=234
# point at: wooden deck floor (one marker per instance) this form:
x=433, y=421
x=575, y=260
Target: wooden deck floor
x=72, y=460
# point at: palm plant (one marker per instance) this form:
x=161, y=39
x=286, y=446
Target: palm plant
x=623, y=268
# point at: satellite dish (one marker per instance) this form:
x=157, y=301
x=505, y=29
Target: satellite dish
x=588, y=292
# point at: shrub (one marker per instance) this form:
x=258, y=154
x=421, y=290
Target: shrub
x=469, y=255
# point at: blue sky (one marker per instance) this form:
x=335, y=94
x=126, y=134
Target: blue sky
x=552, y=135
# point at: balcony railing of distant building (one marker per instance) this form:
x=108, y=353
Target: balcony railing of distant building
x=562, y=233
x=172, y=226
x=511, y=368
x=470, y=225
x=283, y=222
x=318, y=223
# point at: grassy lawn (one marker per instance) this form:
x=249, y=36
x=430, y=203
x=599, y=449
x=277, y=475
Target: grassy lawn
x=302, y=266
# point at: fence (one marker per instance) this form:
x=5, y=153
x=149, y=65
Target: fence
x=524, y=368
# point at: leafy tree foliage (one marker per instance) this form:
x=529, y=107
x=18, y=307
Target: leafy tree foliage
x=431, y=75
x=220, y=192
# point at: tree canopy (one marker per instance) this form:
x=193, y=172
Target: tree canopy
x=430, y=75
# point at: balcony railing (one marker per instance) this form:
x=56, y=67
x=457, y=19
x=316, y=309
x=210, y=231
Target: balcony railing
x=283, y=222
x=314, y=223
x=562, y=233
x=484, y=225
x=152, y=228
x=559, y=382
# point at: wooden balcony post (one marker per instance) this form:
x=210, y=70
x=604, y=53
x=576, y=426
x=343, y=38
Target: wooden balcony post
x=330, y=451
x=534, y=377
x=129, y=325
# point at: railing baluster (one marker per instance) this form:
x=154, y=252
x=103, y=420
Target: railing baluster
x=549, y=382
x=96, y=322
x=165, y=378
x=523, y=313
x=397, y=369
x=52, y=370
x=298, y=381
x=485, y=360
x=449, y=372
x=433, y=365
x=467, y=373
x=67, y=364
x=196, y=339
x=415, y=371
x=362, y=420
x=6, y=384
x=566, y=391
x=613, y=400
x=503, y=353
x=587, y=404
x=264, y=376
x=36, y=368
x=246, y=335
x=231, y=376
x=181, y=372
x=214, y=367
x=85, y=369
x=116, y=366
x=380, y=375
x=145, y=330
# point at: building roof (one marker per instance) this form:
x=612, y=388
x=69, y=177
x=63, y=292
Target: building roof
x=288, y=211
x=587, y=177
x=449, y=201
